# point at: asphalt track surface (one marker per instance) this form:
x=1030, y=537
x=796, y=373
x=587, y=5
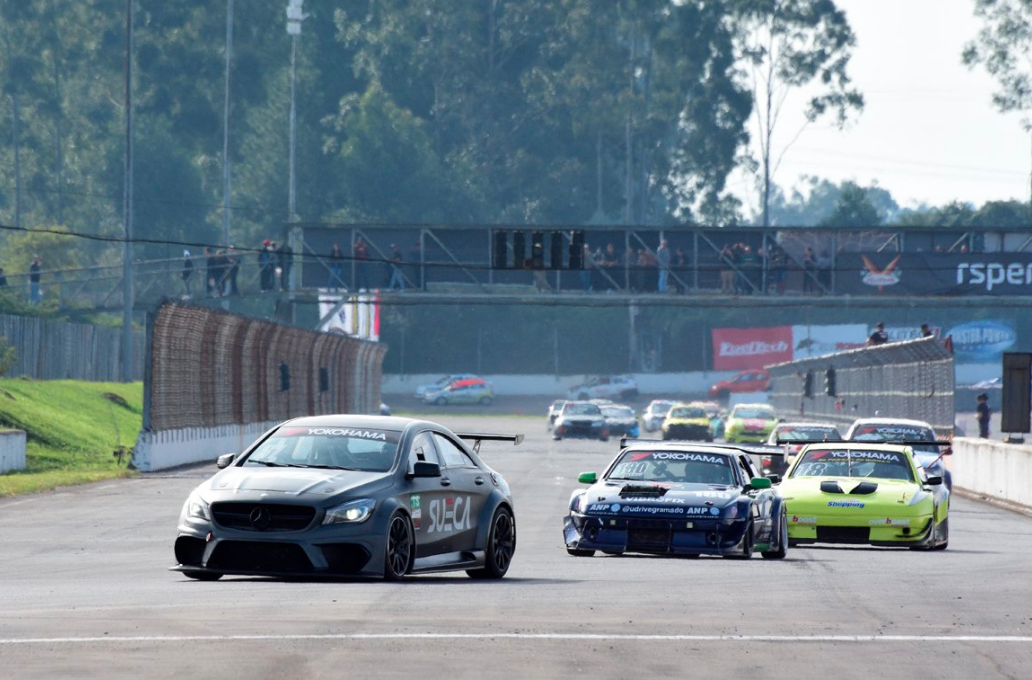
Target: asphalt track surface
x=85, y=593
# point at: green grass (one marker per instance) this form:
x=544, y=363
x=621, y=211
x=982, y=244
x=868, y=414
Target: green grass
x=72, y=429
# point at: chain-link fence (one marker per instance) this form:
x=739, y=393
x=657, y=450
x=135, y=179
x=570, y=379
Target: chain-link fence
x=208, y=368
x=910, y=379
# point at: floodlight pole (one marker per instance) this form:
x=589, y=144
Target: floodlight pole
x=127, y=206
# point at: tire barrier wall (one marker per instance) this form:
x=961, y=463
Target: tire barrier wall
x=58, y=350
x=214, y=380
x=993, y=470
x=909, y=379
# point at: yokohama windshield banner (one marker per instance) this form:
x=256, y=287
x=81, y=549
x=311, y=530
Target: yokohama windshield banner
x=743, y=348
x=999, y=274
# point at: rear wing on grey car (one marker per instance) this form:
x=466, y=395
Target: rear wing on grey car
x=476, y=438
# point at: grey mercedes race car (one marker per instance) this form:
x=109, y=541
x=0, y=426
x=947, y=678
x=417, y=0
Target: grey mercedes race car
x=351, y=495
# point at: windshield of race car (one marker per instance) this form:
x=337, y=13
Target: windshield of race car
x=335, y=448
x=687, y=412
x=617, y=412
x=581, y=410
x=657, y=407
x=897, y=432
x=682, y=467
x=853, y=463
x=753, y=412
x=808, y=433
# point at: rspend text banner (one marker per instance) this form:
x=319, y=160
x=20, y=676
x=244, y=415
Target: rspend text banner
x=997, y=274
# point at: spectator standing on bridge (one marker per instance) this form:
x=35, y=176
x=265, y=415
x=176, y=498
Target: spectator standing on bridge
x=233, y=258
x=983, y=413
x=186, y=273
x=266, y=268
x=727, y=269
x=210, y=272
x=587, y=265
x=809, y=271
x=336, y=267
x=878, y=337
x=663, y=263
x=926, y=332
x=35, y=271
x=3, y=279
x=285, y=254
x=397, y=280
x=361, y=255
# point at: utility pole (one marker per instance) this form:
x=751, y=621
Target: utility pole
x=295, y=16
x=225, y=128
x=127, y=206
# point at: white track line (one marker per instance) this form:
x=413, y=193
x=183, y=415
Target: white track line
x=1025, y=639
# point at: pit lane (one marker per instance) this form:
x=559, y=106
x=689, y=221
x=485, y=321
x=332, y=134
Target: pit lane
x=86, y=593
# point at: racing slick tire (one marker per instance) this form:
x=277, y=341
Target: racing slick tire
x=398, y=548
x=612, y=552
x=782, y=550
x=485, y=401
x=203, y=575
x=501, y=545
x=945, y=524
x=577, y=552
x=440, y=401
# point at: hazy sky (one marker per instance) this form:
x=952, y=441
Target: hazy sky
x=929, y=132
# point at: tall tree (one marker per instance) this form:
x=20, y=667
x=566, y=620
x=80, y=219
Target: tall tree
x=789, y=45
x=854, y=208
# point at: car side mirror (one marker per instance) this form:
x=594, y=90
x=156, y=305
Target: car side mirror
x=934, y=481
x=426, y=469
x=225, y=460
x=774, y=479
x=760, y=483
x=587, y=478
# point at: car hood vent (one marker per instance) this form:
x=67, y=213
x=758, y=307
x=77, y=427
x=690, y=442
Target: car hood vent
x=831, y=486
x=864, y=488
x=640, y=490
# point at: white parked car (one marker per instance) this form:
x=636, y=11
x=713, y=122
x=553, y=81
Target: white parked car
x=606, y=387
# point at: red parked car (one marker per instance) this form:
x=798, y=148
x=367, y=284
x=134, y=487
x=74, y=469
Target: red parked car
x=757, y=380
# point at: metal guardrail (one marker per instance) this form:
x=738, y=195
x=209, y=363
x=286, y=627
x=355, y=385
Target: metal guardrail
x=911, y=379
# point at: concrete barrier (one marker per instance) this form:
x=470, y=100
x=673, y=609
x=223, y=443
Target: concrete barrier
x=12, y=450
x=985, y=467
x=172, y=448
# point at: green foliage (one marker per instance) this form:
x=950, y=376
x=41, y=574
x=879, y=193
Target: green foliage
x=1002, y=47
x=821, y=200
x=72, y=425
x=853, y=209
x=8, y=356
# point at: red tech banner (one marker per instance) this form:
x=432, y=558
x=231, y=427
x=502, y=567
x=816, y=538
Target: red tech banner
x=744, y=348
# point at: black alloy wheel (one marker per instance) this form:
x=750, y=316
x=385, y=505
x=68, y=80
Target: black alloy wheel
x=501, y=546
x=398, y=551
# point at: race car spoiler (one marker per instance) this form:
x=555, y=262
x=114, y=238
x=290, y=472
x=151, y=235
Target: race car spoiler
x=476, y=438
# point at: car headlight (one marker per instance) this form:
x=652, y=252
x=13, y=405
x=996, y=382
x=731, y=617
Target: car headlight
x=196, y=508
x=351, y=512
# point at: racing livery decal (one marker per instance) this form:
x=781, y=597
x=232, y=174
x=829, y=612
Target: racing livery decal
x=449, y=515
x=416, y=510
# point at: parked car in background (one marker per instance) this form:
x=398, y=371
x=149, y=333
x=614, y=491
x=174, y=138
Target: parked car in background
x=441, y=383
x=749, y=423
x=792, y=437
x=757, y=380
x=580, y=419
x=620, y=420
x=687, y=422
x=655, y=412
x=606, y=387
x=472, y=391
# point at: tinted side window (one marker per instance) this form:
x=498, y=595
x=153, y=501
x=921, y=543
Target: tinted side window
x=451, y=454
x=423, y=450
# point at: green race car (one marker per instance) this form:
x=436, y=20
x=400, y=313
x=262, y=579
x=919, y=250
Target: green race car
x=749, y=423
x=865, y=493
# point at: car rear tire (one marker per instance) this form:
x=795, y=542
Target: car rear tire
x=440, y=401
x=485, y=401
x=945, y=531
x=203, y=575
x=501, y=546
x=782, y=550
x=398, y=547
x=577, y=552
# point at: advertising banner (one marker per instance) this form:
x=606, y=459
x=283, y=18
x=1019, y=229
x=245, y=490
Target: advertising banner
x=744, y=348
x=815, y=341
x=982, y=341
x=358, y=316
x=997, y=274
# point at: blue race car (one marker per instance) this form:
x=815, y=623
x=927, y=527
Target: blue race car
x=674, y=498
